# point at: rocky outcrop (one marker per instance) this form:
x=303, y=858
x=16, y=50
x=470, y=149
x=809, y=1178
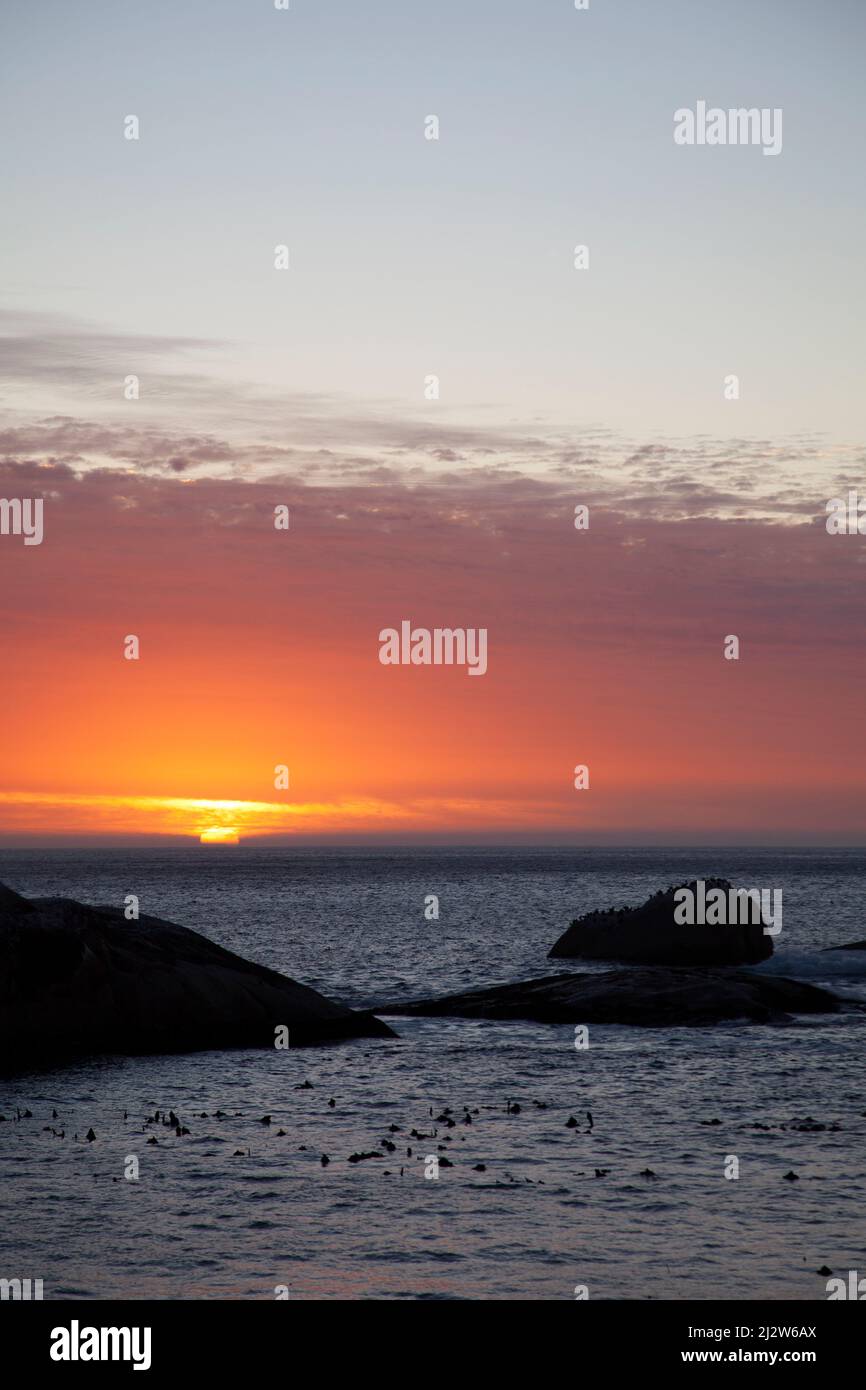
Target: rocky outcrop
x=651, y=935
x=646, y=996
x=76, y=980
x=849, y=946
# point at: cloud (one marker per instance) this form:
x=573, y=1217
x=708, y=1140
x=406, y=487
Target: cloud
x=198, y=423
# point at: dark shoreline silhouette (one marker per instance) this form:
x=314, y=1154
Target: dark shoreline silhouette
x=644, y=996
x=78, y=980
x=651, y=935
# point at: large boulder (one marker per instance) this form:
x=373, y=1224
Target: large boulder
x=651, y=935
x=76, y=980
x=646, y=996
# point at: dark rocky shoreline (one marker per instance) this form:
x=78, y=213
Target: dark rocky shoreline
x=78, y=980
x=650, y=934
x=644, y=996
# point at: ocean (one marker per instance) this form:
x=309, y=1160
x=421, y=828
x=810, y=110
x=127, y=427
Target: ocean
x=635, y=1205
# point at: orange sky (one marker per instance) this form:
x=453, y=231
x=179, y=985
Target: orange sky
x=260, y=647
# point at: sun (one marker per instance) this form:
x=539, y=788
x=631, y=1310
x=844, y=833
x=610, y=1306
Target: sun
x=219, y=835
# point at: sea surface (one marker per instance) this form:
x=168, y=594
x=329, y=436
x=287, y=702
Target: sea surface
x=237, y=1210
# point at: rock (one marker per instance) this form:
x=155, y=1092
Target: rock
x=77, y=980
x=849, y=946
x=650, y=935
x=645, y=996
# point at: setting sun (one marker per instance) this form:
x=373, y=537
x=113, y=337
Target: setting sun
x=219, y=835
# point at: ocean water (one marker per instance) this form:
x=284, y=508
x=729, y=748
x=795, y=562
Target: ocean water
x=236, y=1210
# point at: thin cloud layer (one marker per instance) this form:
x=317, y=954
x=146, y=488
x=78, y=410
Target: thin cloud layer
x=197, y=423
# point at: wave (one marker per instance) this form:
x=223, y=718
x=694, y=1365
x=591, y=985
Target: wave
x=817, y=965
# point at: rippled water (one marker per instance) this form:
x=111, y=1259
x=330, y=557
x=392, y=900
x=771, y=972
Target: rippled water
x=205, y=1220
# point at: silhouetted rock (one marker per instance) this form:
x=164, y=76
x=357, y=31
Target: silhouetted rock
x=77, y=980
x=849, y=946
x=650, y=934
x=648, y=996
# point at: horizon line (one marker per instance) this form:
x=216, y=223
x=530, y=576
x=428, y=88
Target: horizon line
x=408, y=841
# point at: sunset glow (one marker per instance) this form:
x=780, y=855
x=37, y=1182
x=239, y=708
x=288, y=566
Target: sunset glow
x=605, y=647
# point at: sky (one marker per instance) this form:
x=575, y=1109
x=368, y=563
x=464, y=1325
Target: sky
x=410, y=258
